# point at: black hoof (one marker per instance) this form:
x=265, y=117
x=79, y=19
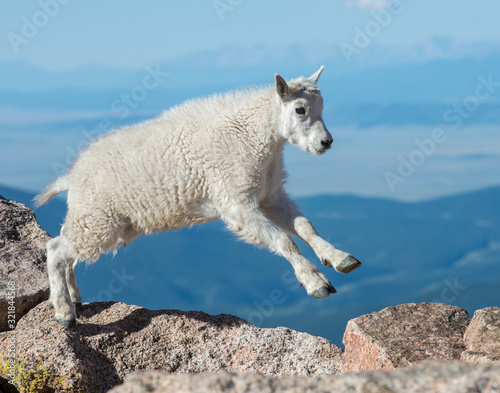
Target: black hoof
x=323, y=292
x=331, y=290
x=67, y=324
x=348, y=265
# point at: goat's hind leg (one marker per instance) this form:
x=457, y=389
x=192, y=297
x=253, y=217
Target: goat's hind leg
x=74, y=292
x=60, y=257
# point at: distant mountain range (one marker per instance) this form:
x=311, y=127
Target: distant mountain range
x=239, y=66
x=386, y=85
x=445, y=250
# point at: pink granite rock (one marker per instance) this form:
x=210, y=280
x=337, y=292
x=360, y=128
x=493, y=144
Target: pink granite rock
x=404, y=335
x=24, y=282
x=482, y=337
x=114, y=339
x=425, y=377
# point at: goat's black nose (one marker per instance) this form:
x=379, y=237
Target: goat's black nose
x=326, y=143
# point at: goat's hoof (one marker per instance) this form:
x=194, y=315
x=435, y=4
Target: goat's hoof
x=348, y=264
x=323, y=291
x=51, y=305
x=68, y=324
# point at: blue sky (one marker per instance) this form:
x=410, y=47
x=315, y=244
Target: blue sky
x=47, y=46
x=124, y=33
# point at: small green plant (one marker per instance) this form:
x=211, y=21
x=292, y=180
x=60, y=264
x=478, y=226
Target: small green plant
x=31, y=381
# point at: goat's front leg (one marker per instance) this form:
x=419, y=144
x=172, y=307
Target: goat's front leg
x=248, y=222
x=287, y=215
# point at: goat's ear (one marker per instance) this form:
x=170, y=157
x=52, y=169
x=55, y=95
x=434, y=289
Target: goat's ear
x=281, y=86
x=314, y=77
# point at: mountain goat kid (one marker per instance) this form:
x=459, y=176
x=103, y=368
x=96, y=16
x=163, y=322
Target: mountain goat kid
x=219, y=157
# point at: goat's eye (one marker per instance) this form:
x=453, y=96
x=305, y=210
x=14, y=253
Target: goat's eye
x=300, y=111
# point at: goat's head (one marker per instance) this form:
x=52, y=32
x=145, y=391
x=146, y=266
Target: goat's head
x=301, y=107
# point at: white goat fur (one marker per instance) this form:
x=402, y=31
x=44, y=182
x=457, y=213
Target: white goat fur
x=219, y=157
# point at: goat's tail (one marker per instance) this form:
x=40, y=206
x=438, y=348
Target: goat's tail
x=49, y=192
